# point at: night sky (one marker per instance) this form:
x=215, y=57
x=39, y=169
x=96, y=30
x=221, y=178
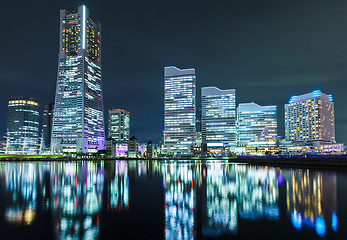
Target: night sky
x=266, y=50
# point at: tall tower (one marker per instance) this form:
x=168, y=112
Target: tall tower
x=22, y=126
x=119, y=125
x=179, y=110
x=218, y=116
x=310, y=117
x=256, y=123
x=78, y=120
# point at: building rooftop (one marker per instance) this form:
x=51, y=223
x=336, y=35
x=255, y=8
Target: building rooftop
x=311, y=95
x=253, y=107
x=205, y=91
x=172, y=71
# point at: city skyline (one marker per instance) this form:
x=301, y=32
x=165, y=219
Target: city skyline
x=277, y=76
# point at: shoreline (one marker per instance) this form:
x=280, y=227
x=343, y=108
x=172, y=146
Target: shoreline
x=299, y=161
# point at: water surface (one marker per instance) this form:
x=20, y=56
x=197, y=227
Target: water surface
x=170, y=200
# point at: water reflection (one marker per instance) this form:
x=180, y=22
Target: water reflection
x=238, y=190
x=76, y=192
x=83, y=199
x=179, y=201
x=311, y=200
x=21, y=190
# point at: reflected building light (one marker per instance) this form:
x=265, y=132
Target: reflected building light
x=29, y=216
x=334, y=221
x=21, y=184
x=320, y=226
x=296, y=220
x=311, y=200
x=119, y=189
x=221, y=202
x=179, y=202
x=77, y=191
x=258, y=194
x=14, y=216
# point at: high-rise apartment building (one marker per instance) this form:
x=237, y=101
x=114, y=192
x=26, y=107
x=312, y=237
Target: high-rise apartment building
x=78, y=120
x=47, y=121
x=179, y=110
x=256, y=123
x=218, y=116
x=22, y=126
x=119, y=125
x=310, y=117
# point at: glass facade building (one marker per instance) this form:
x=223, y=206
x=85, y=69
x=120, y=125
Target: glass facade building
x=22, y=126
x=218, y=116
x=119, y=125
x=78, y=120
x=256, y=123
x=47, y=121
x=310, y=117
x=179, y=110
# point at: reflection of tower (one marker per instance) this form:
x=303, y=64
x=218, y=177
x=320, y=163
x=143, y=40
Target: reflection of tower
x=221, y=203
x=76, y=192
x=311, y=200
x=179, y=201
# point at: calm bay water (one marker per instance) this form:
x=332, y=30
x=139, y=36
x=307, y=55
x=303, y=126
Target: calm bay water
x=170, y=200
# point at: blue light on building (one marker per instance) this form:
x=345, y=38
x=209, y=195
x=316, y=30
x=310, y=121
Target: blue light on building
x=78, y=120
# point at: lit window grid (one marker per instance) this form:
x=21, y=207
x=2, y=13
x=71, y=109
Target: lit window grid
x=119, y=125
x=180, y=113
x=256, y=126
x=218, y=118
x=78, y=118
x=311, y=119
x=23, y=127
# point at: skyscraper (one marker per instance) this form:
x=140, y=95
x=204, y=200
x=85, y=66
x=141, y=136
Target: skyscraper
x=179, y=110
x=310, y=117
x=218, y=116
x=256, y=123
x=47, y=121
x=78, y=120
x=119, y=125
x=22, y=126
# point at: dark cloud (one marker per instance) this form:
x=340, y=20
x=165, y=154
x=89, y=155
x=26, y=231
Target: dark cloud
x=267, y=50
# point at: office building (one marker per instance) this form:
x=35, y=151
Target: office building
x=119, y=125
x=22, y=126
x=218, y=117
x=256, y=123
x=179, y=110
x=133, y=147
x=310, y=117
x=78, y=119
x=150, y=149
x=47, y=121
x=110, y=147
